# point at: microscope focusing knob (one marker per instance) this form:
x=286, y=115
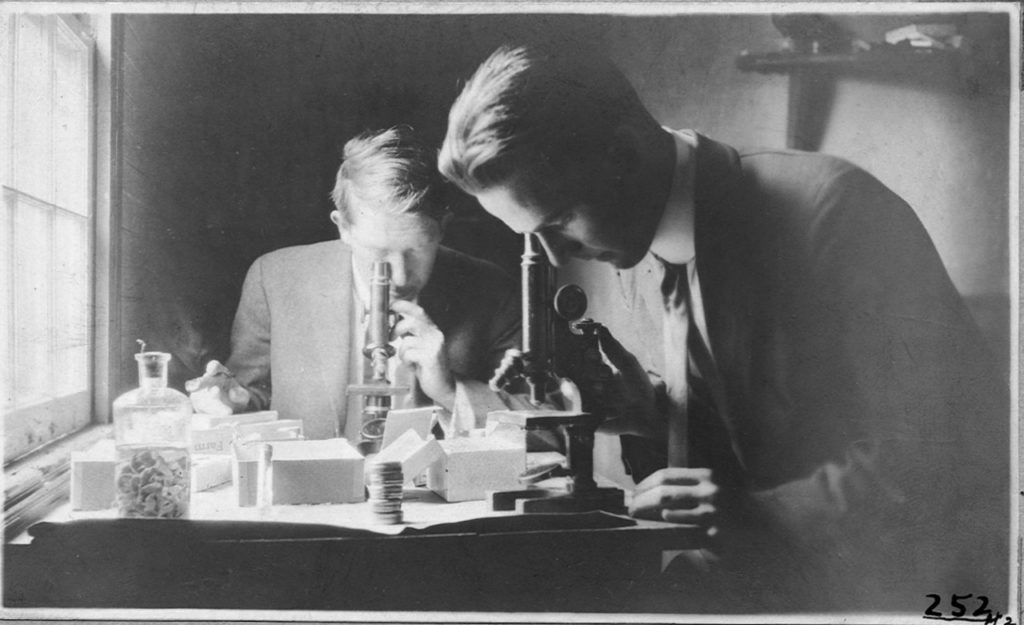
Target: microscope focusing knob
x=570, y=302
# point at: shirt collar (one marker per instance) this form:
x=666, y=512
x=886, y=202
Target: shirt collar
x=673, y=240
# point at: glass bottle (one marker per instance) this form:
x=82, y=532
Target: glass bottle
x=152, y=435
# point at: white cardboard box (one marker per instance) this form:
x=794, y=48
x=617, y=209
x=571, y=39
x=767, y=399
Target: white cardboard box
x=92, y=477
x=301, y=472
x=217, y=440
x=279, y=430
x=474, y=465
x=402, y=420
x=202, y=421
x=213, y=441
x=415, y=454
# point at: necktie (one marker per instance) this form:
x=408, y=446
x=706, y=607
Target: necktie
x=697, y=433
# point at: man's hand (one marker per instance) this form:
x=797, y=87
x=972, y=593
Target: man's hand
x=421, y=348
x=630, y=396
x=678, y=495
x=217, y=391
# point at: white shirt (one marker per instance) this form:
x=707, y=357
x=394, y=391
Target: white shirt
x=674, y=238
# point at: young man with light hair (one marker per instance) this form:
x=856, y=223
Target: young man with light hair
x=830, y=412
x=298, y=334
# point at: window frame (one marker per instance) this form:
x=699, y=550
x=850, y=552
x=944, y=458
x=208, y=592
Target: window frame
x=36, y=482
x=34, y=425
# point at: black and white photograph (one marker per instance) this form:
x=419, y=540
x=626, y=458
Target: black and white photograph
x=477, y=312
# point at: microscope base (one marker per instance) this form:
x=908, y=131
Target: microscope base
x=558, y=500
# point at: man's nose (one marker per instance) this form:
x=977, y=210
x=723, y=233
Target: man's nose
x=558, y=249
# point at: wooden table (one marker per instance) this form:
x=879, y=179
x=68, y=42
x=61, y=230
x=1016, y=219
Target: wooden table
x=446, y=557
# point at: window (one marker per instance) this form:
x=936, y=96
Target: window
x=46, y=229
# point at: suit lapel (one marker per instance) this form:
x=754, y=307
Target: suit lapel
x=725, y=281
x=332, y=327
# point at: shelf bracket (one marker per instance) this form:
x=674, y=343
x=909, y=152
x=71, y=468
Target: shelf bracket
x=810, y=105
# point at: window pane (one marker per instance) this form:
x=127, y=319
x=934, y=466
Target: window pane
x=5, y=98
x=32, y=278
x=70, y=304
x=32, y=104
x=45, y=230
x=71, y=121
x=6, y=310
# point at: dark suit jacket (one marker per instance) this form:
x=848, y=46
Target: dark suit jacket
x=292, y=331
x=868, y=419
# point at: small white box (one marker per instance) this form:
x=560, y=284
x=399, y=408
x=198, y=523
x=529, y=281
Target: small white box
x=210, y=471
x=415, y=454
x=92, y=477
x=400, y=421
x=301, y=472
x=472, y=466
x=202, y=421
x=280, y=430
x=212, y=440
x=217, y=440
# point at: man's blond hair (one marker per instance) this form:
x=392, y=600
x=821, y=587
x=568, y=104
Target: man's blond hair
x=389, y=170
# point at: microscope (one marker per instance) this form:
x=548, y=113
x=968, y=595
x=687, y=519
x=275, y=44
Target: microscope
x=562, y=367
x=378, y=390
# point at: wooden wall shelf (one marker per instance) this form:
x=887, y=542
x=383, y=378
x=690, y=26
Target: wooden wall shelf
x=812, y=79
x=889, y=59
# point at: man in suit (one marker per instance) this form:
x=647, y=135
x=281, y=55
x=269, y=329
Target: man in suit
x=298, y=334
x=829, y=411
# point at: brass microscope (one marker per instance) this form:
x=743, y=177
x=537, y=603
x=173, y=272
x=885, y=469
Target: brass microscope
x=562, y=367
x=378, y=390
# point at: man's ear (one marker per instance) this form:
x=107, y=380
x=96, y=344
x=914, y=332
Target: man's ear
x=343, y=229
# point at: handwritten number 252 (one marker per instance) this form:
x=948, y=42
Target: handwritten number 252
x=958, y=608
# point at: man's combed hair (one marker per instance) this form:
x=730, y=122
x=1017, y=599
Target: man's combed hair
x=389, y=170
x=533, y=110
